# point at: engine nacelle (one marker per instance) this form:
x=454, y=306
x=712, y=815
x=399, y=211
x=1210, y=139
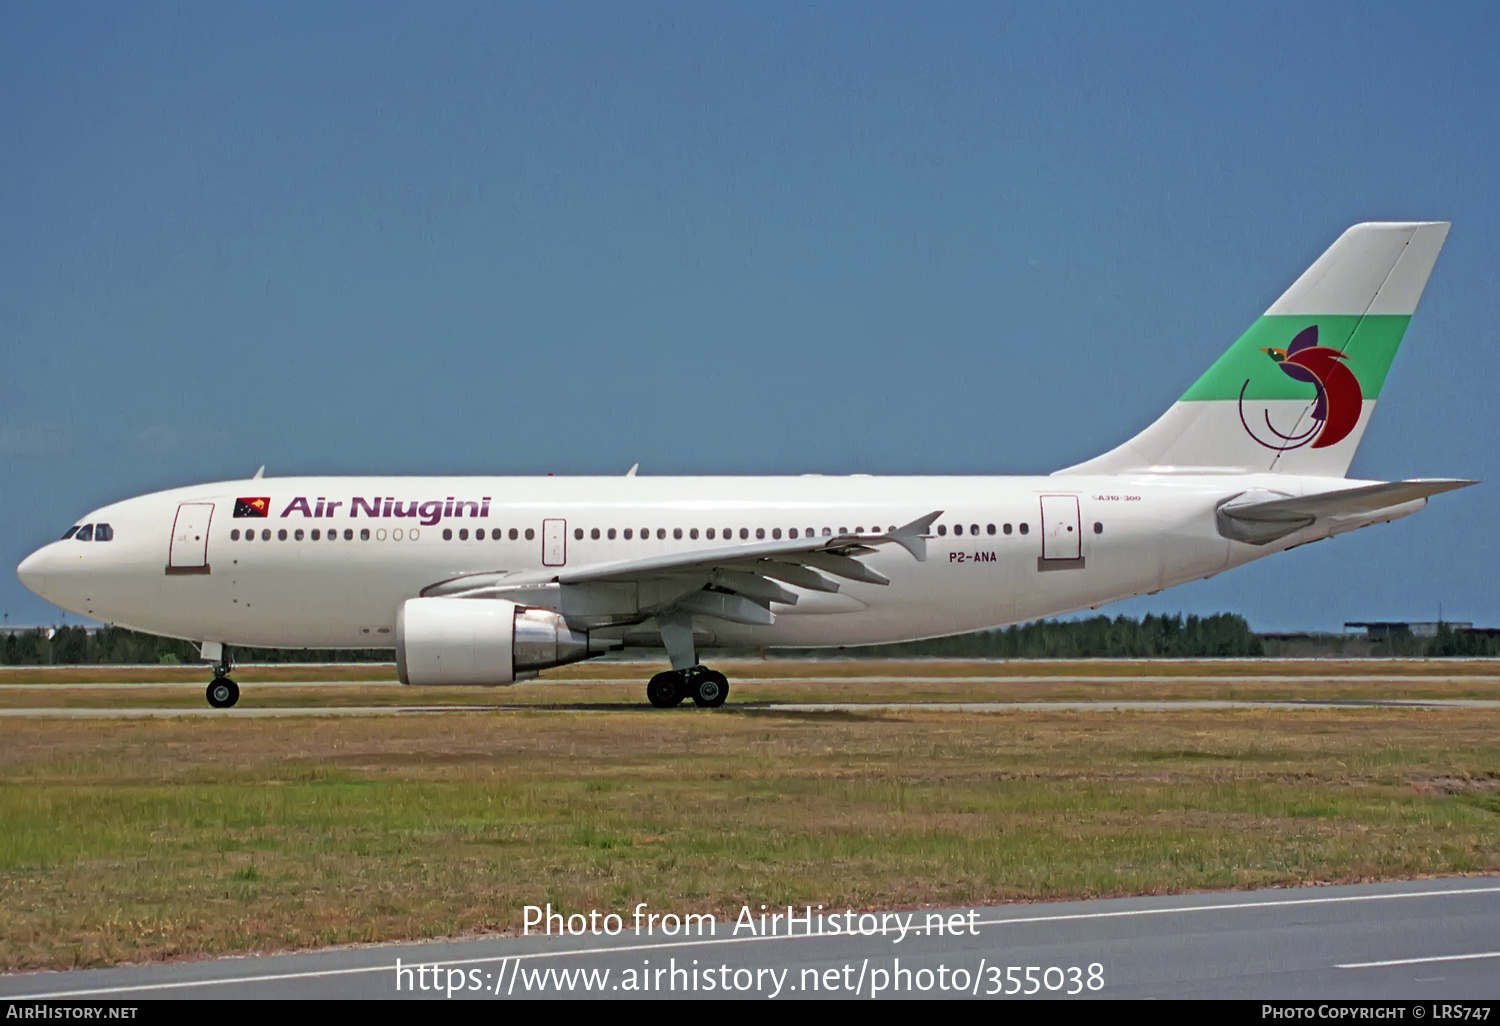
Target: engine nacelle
x=482, y=641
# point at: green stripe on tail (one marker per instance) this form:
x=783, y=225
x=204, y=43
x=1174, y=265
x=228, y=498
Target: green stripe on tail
x=1369, y=345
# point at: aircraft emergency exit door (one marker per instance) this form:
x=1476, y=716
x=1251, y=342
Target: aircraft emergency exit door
x=554, y=542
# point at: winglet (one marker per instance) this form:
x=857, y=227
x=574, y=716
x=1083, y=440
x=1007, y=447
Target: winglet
x=913, y=536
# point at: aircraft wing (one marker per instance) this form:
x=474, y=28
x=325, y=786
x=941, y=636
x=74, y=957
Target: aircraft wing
x=732, y=582
x=1260, y=521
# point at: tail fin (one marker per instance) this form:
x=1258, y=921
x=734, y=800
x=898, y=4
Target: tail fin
x=1295, y=393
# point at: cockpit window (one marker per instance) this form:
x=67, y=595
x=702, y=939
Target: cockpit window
x=71, y=532
x=103, y=532
x=85, y=533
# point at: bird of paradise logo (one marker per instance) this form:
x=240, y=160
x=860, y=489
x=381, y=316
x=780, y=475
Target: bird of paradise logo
x=1338, y=402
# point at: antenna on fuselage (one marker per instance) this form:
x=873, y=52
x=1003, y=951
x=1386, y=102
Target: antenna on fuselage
x=633, y=468
x=259, y=473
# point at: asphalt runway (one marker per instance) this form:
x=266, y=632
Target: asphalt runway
x=1269, y=678
x=1424, y=939
x=1159, y=705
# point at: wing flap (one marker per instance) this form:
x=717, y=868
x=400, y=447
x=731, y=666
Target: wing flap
x=1250, y=518
x=741, y=576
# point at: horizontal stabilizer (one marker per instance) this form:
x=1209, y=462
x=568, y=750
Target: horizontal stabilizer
x=1249, y=518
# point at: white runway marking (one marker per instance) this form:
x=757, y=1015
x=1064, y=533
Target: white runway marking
x=1153, y=705
x=1419, y=961
x=178, y=685
x=1229, y=906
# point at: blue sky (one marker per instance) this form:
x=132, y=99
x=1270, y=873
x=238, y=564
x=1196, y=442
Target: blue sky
x=877, y=238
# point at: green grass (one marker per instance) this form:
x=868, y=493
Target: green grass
x=153, y=839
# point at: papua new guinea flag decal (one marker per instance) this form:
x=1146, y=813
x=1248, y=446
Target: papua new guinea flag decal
x=259, y=506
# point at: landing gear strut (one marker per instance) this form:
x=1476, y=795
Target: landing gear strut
x=223, y=692
x=707, y=688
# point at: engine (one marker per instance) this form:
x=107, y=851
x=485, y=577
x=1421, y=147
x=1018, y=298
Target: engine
x=482, y=641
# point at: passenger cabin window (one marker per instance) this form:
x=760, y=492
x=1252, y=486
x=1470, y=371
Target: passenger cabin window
x=234, y=535
x=942, y=529
x=1025, y=528
x=989, y=528
x=710, y=533
x=447, y=534
x=629, y=533
x=1007, y=529
x=317, y=535
x=281, y=535
x=70, y=533
x=530, y=534
x=512, y=534
x=611, y=534
x=85, y=533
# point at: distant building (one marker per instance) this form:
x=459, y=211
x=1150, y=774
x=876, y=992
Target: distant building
x=1379, y=630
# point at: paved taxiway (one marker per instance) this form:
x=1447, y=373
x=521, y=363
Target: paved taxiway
x=1424, y=939
x=1162, y=705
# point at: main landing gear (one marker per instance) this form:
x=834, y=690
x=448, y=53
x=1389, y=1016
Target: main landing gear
x=687, y=678
x=707, y=688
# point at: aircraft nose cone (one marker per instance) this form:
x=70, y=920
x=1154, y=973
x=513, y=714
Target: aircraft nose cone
x=33, y=572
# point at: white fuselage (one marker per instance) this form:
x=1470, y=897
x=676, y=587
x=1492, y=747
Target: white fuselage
x=179, y=562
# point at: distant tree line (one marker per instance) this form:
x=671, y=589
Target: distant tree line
x=1450, y=642
x=1182, y=637
x=1099, y=637
x=74, y=646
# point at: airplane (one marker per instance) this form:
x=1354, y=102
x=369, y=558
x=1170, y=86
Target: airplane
x=488, y=580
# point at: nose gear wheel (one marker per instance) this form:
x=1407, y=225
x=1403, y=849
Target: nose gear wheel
x=223, y=693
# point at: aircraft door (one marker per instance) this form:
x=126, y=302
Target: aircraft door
x=189, y=548
x=554, y=542
x=1062, y=528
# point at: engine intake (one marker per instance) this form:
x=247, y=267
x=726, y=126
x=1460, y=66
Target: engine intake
x=482, y=641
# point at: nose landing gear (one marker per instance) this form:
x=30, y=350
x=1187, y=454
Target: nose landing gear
x=223, y=692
